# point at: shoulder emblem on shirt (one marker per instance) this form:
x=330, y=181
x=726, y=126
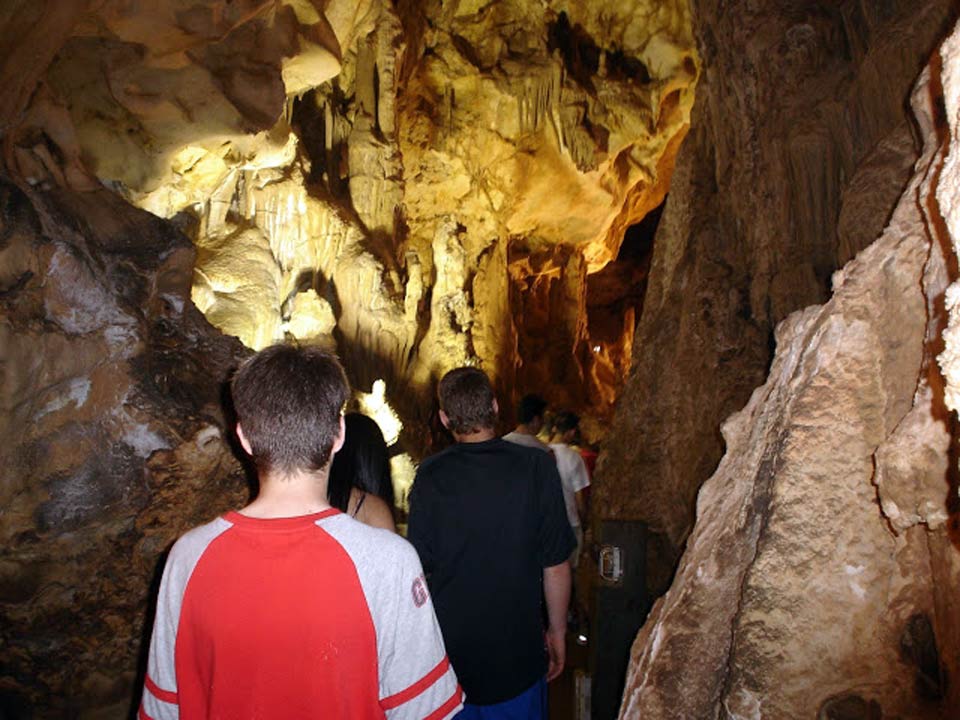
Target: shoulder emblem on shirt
x=419, y=590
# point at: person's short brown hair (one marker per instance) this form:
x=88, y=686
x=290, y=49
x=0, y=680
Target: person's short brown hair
x=530, y=407
x=288, y=401
x=466, y=398
x=566, y=420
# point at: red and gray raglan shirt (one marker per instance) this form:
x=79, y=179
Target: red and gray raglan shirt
x=305, y=617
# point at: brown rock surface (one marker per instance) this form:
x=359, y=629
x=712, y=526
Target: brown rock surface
x=111, y=436
x=800, y=146
x=820, y=577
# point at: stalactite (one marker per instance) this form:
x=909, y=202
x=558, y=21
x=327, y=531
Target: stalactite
x=538, y=97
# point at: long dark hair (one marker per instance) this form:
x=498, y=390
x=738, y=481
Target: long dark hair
x=363, y=462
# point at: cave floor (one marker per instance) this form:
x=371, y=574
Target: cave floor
x=562, y=692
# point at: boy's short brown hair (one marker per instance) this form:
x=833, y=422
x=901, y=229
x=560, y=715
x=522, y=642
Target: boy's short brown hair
x=288, y=401
x=466, y=398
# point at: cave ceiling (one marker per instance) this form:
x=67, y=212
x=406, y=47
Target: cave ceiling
x=419, y=185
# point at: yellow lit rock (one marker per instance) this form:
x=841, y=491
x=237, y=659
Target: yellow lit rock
x=405, y=172
x=237, y=285
x=374, y=404
x=402, y=471
x=310, y=316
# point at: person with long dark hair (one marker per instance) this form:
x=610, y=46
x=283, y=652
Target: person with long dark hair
x=360, y=482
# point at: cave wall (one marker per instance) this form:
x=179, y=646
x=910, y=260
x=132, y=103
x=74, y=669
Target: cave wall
x=817, y=581
x=819, y=578
x=801, y=143
x=112, y=440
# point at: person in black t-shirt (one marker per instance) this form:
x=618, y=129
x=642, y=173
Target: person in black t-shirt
x=488, y=520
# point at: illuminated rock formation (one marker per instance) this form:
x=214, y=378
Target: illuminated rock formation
x=347, y=152
x=541, y=169
x=417, y=184
x=948, y=198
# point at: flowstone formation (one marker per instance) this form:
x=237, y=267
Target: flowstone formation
x=820, y=577
x=415, y=184
x=948, y=199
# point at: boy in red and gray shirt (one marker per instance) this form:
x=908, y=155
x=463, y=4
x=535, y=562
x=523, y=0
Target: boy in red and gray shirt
x=289, y=608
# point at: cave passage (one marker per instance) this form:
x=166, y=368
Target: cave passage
x=723, y=234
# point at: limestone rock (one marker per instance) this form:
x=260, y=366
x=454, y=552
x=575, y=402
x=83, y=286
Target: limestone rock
x=112, y=438
x=948, y=198
x=544, y=132
x=817, y=579
x=144, y=79
x=798, y=152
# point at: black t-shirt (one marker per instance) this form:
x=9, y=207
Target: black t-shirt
x=486, y=518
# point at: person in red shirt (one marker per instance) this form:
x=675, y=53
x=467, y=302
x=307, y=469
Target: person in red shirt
x=289, y=608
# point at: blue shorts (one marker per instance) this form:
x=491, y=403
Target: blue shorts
x=531, y=704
